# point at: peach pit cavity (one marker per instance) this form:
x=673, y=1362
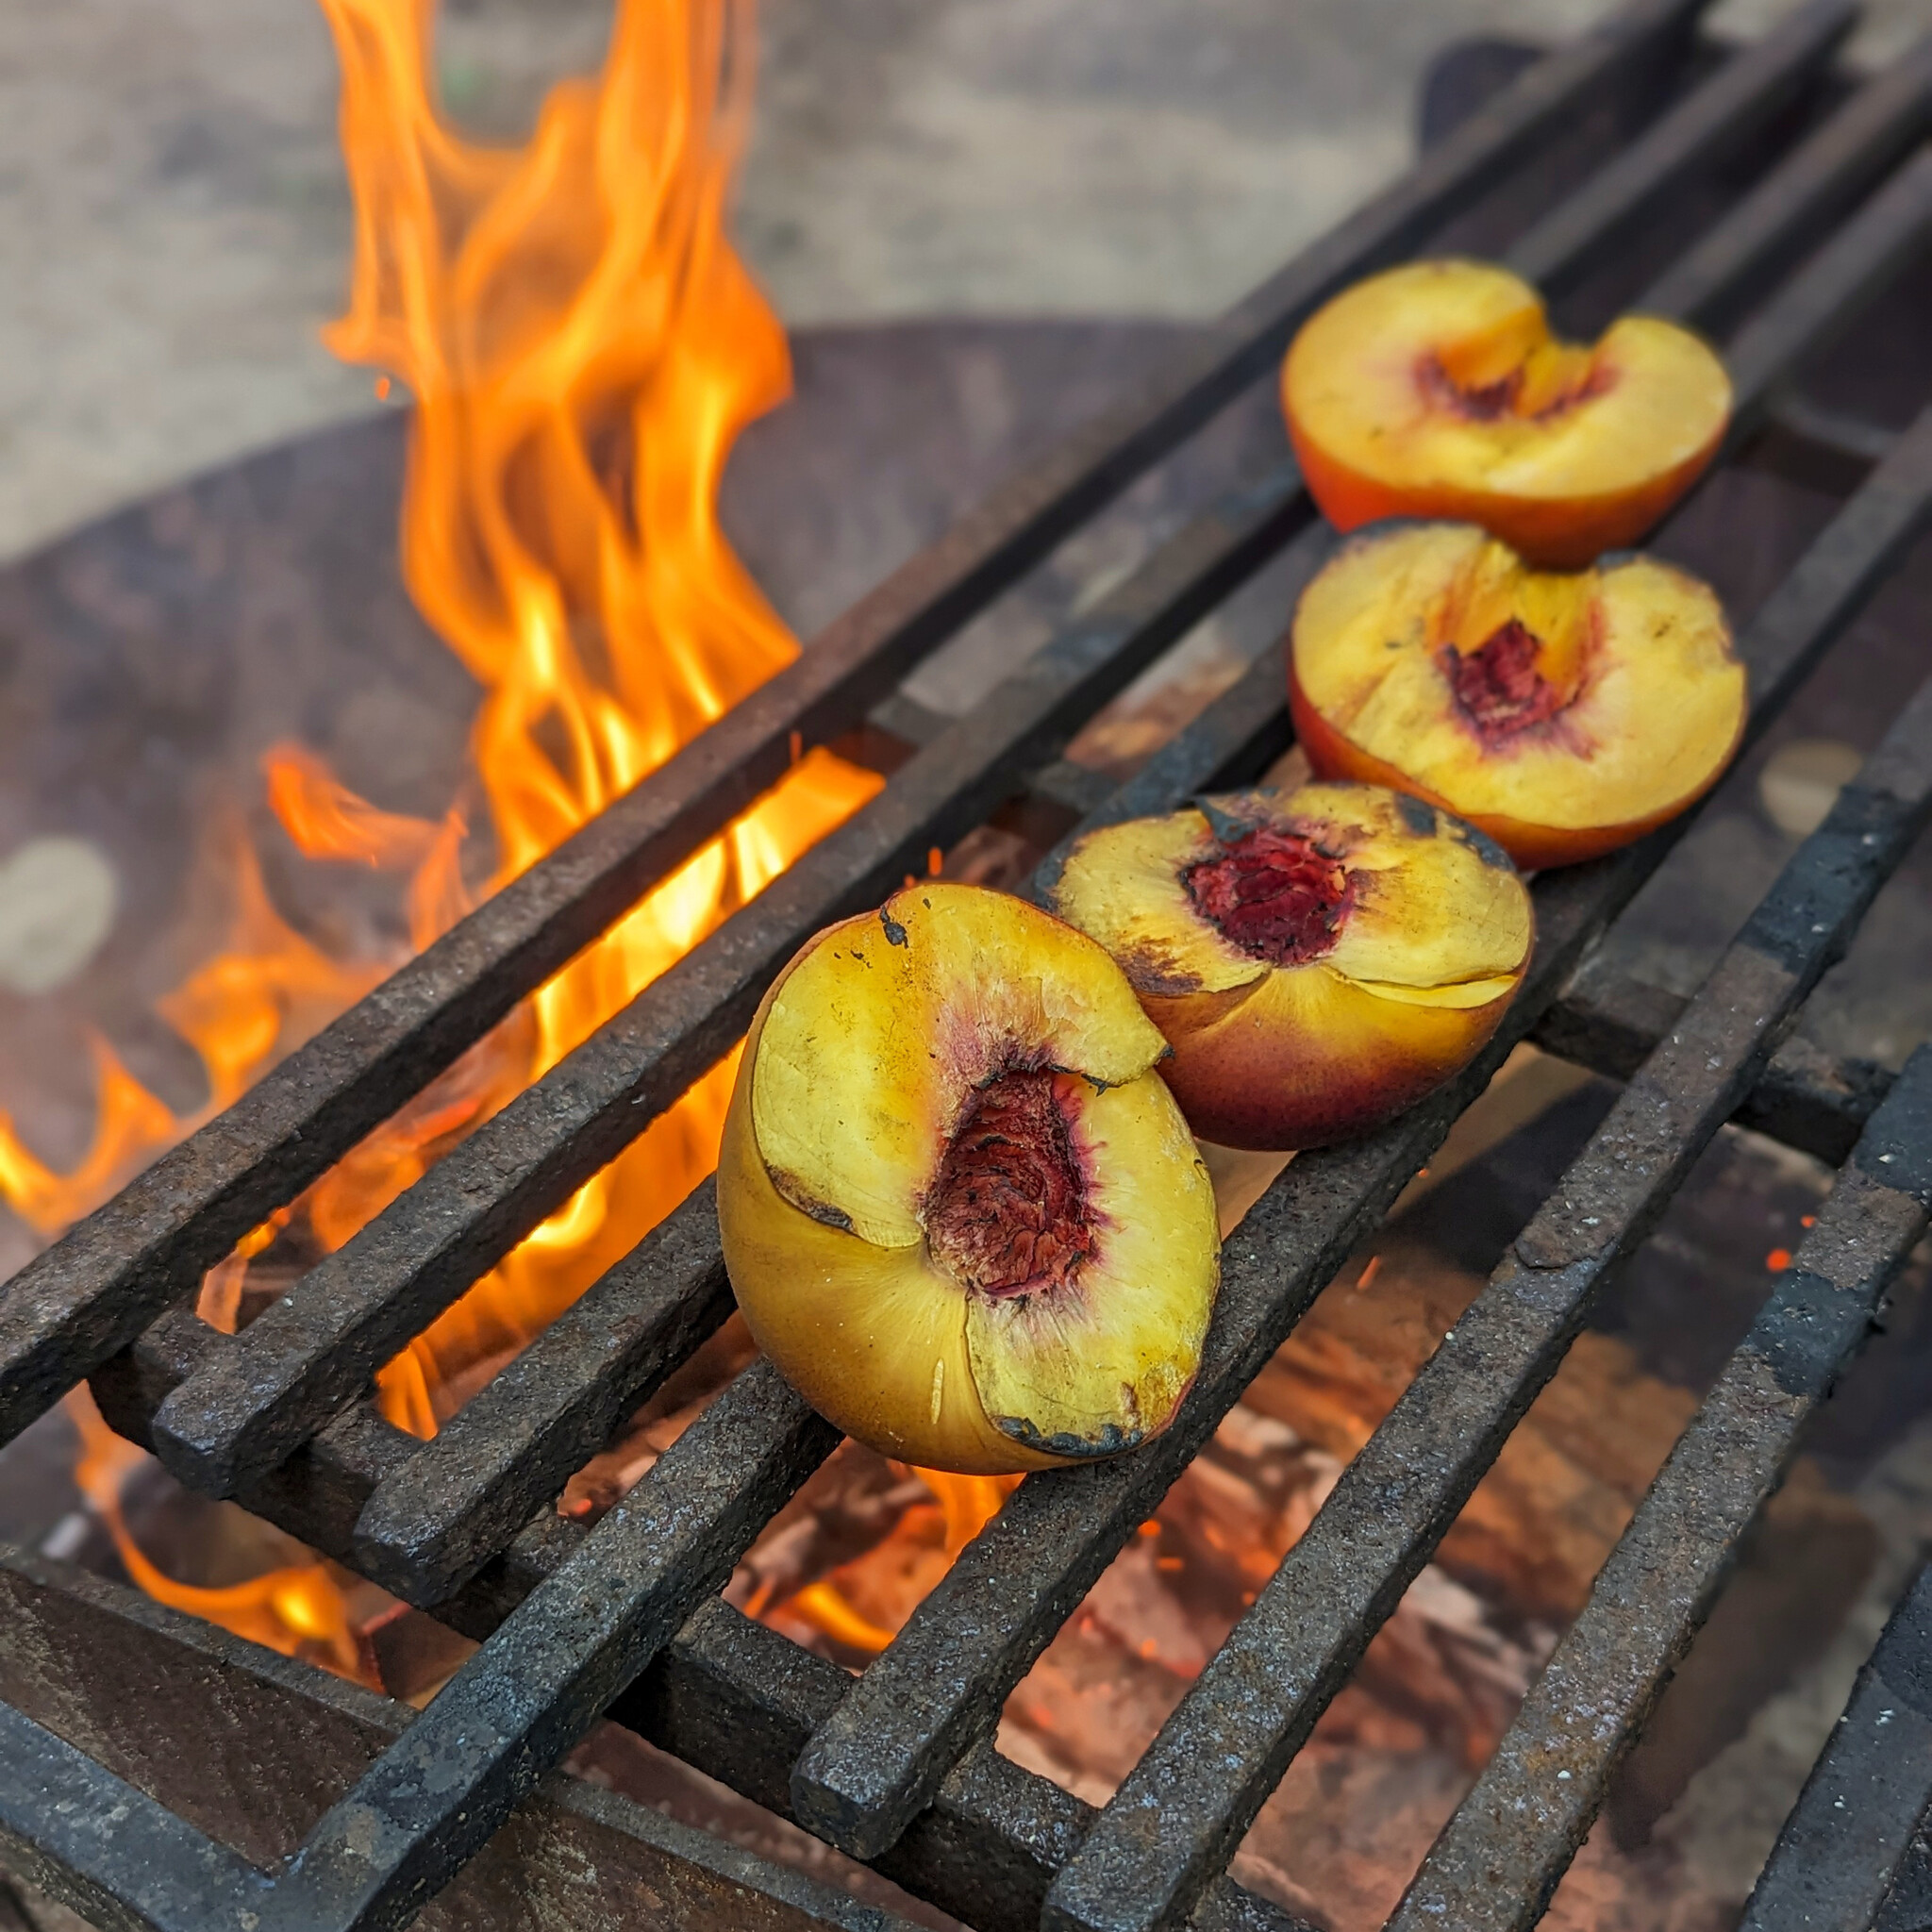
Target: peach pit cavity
x=1007, y=1214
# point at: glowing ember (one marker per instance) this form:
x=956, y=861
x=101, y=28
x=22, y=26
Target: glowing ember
x=863, y=1605
x=583, y=347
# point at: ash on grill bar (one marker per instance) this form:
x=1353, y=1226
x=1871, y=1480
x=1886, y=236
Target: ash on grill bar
x=1769, y=197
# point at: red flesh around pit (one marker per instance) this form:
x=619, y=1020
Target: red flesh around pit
x=1007, y=1214
x=1276, y=895
x=1497, y=687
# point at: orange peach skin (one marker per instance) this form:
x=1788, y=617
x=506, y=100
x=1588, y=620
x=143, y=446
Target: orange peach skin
x=1532, y=846
x=1311, y=1051
x=1562, y=450
x=1561, y=535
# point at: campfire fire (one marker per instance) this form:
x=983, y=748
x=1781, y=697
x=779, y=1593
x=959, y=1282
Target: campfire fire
x=582, y=348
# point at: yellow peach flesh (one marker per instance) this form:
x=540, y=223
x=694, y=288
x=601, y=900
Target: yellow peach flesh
x=1639, y=696
x=1409, y=971
x=1435, y=390
x=865, y=1069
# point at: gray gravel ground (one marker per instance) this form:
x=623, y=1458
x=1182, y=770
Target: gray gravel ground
x=173, y=219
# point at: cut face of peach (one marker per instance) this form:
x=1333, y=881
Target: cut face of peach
x=1318, y=958
x=1435, y=390
x=960, y=1212
x=1563, y=714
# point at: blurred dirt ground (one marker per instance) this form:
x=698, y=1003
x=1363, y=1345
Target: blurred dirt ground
x=173, y=219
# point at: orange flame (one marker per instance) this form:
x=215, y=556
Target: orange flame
x=906, y=1557
x=296, y=1609
x=583, y=347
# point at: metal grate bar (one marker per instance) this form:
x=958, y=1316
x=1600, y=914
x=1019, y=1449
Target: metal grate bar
x=512, y=1446
x=450, y=1504
x=1815, y=184
x=739, y=1700
x=603, y=1603
x=1856, y=1822
x=303, y=1359
x=1805, y=1098
x=1826, y=296
x=1717, y=120
x=1826, y=450
x=437, y=1520
x=310, y=1354
x=730, y=1696
x=1908, y=1905
x=90, y=1292
x=1501, y=1857
x=1182, y=1808
x=1879, y=529
x=1879, y=124
x=93, y=1842
x=438, y=1794
x=317, y=1494
x=314, y=1351
x=943, y=1679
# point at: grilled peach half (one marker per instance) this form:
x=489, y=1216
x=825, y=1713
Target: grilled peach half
x=1318, y=958
x=960, y=1210
x=1436, y=389
x=1563, y=713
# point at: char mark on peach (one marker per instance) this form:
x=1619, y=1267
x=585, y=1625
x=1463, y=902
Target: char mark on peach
x=1419, y=818
x=792, y=1189
x=1008, y=1212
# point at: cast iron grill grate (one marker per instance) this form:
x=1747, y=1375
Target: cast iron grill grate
x=896, y=1767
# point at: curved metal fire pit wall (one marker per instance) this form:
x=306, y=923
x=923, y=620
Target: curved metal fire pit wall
x=251, y=1749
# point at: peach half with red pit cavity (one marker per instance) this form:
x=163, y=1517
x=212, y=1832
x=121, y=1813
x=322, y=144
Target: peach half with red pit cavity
x=1319, y=958
x=1436, y=389
x=1564, y=713
x=960, y=1210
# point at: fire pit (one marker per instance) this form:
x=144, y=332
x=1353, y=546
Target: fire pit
x=1757, y=196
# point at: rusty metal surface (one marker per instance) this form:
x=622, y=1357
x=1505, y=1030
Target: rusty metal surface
x=731, y=1697
x=247, y=1749
x=1500, y=1859
x=437, y=1796
x=97, y=1844
x=1824, y=298
x=1182, y=1811
x=1805, y=1098
x=448, y=1508
x=1718, y=119
x=1852, y=1857
x=740, y=1700
x=893, y=1766
x=941, y=1684
x=313, y=1352
x=1814, y=184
